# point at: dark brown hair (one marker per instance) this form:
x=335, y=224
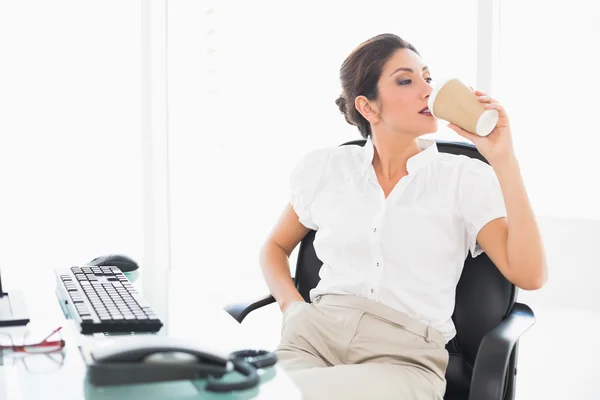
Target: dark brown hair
x=360, y=73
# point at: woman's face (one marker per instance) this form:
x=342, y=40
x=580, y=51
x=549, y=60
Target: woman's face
x=404, y=88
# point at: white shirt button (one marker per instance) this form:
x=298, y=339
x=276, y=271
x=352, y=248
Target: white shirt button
x=378, y=264
x=375, y=230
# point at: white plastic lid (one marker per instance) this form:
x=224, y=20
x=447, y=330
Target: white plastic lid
x=487, y=122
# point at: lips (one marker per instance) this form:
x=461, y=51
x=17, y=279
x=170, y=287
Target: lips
x=425, y=111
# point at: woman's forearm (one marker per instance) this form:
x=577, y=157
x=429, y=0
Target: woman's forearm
x=275, y=267
x=525, y=250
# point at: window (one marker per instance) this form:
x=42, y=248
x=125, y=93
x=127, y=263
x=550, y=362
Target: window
x=252, y=87
x=548, y=83
x=70, y=149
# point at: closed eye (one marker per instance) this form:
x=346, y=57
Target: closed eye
x=408, y=81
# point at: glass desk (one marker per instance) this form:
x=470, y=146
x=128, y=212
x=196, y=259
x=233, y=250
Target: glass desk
x=63, y=375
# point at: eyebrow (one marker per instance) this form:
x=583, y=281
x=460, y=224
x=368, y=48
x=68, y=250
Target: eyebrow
x=407, y=70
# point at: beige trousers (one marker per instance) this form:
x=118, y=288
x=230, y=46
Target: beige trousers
x=348, y=347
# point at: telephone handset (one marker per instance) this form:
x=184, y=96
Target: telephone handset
x=144, y=359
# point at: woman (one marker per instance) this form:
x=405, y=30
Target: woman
x=395, y=220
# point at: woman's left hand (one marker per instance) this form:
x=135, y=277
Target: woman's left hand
x=498, y=145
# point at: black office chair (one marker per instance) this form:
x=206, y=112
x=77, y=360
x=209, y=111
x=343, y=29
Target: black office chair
x=483, y=354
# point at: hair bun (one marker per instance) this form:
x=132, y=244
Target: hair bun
x=341, y=103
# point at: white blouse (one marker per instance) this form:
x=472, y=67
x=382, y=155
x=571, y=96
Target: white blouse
x=406, y=251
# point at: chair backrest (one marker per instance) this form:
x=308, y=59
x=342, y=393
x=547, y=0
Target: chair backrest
x=483, y=296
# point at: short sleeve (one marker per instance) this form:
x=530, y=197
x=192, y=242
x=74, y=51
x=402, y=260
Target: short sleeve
x=481, y=200
x=304, y=183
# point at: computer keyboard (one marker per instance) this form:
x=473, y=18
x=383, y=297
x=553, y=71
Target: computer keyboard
x=101, y=299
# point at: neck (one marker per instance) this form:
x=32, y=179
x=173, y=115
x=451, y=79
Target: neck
x=392, y=154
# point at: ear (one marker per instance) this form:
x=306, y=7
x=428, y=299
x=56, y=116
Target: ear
x=367, y=108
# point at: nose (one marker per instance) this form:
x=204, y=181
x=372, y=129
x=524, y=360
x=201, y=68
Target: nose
x=427, y=89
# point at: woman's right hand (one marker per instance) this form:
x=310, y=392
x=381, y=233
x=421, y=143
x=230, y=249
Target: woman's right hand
x=285, y=304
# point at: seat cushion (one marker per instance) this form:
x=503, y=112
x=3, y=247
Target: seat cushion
x=458, y=377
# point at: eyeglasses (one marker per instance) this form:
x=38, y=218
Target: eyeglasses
x=51, y=343
x=37, y=356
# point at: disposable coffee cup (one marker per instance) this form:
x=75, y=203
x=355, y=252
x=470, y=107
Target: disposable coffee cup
x=455, y=102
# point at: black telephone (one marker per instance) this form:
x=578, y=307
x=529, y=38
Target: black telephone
x=152, y=358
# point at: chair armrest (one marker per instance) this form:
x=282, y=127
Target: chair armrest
x=240, y=310
x=491, y=364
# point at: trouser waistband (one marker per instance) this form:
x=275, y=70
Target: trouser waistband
x=385, y=312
